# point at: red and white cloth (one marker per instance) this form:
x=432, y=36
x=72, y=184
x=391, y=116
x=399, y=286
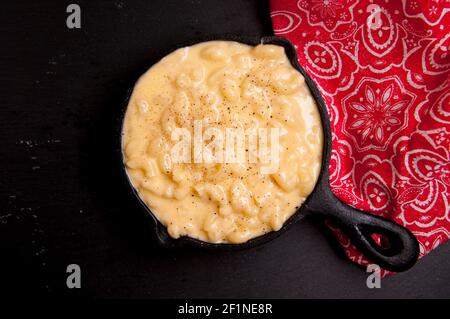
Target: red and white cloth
x=383, y=67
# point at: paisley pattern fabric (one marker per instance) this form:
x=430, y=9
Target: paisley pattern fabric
x=383, y=67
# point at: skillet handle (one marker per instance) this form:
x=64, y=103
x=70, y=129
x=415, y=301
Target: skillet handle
x=402, y=249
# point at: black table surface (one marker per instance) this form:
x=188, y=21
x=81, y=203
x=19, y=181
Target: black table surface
x=61, y=201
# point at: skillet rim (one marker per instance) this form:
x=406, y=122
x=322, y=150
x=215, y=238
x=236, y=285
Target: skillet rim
x=159, y=230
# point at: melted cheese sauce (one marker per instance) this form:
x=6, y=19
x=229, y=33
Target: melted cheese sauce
x=224, y=84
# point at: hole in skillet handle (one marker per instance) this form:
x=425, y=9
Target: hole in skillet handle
x=159, y=231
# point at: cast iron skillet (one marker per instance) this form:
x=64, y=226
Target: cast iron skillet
x=402, y=250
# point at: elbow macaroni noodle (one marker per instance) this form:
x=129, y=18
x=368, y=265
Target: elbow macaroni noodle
x=222, y=85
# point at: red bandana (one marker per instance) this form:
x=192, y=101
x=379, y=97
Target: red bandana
x=383, y=67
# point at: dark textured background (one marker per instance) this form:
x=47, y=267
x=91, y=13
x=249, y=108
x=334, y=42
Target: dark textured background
x=61, y=201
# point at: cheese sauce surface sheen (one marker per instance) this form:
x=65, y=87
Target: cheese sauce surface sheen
x=222, y=84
